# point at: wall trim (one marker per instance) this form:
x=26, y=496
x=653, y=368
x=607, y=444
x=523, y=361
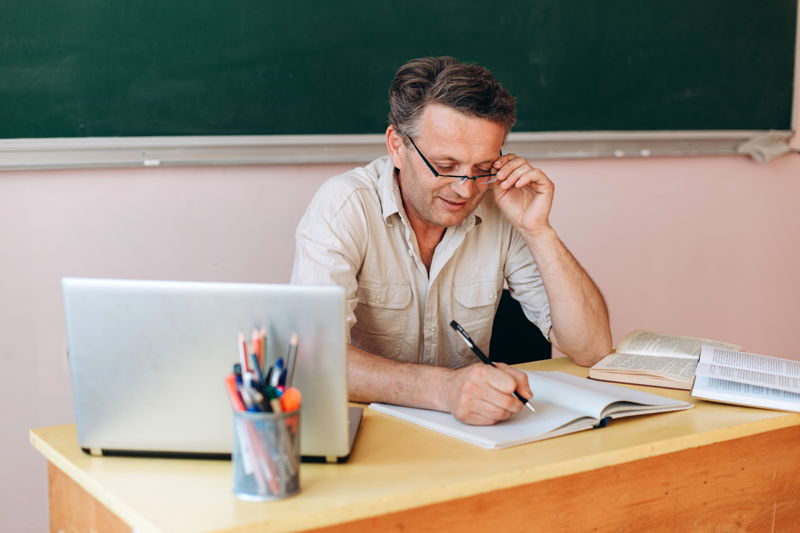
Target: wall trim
x=20, y=154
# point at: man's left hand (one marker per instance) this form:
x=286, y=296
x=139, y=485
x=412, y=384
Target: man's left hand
x=523, y=193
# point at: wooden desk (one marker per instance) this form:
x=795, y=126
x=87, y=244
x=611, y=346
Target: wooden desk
x=715, y=467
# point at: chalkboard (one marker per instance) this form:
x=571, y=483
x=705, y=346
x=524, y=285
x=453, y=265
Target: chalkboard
x=108, y=68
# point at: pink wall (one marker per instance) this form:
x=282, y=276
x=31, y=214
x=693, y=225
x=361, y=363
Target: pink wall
x=696, y=246
x=705, y=246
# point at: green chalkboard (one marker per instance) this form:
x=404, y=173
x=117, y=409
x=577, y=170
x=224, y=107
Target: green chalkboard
x=104, y=68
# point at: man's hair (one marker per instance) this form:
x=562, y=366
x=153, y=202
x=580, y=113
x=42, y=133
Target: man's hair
x=468, y=88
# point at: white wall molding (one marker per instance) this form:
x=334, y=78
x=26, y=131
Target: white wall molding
x=19, y=154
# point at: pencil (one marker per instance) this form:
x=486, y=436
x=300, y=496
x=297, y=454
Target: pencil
x=290, y=359
x=243, y=353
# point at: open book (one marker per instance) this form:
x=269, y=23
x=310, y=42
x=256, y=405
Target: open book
x=649, y=358
x=748, y=379
x=564, y=404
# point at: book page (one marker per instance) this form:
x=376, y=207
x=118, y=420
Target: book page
x=652, y=343
x=750, y=377
x=525, y=426
x=551, y=388
x=753, y=369
x=751, y=361
x=594, y=398
x=678, y=368
x=722, y=390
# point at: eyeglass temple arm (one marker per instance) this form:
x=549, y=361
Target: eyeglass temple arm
x=435, y=172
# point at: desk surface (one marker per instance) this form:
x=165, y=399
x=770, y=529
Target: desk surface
x=394, y=466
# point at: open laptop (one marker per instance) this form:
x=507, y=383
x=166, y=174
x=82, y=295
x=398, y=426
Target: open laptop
x=148, y=361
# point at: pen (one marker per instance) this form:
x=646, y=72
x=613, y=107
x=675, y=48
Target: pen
x=272, y=397
x=252, y=389
x=256, y=368
x=233, y=392
x=277, y=371
x=482, y=356
x=248, y=398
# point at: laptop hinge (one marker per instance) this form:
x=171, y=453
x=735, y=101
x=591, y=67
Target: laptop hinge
x=96, y=452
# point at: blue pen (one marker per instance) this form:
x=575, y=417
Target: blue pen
x=247, y=393
x=277, y=371
x=257, y=369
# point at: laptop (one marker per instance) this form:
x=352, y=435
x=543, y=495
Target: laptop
x=148, y=361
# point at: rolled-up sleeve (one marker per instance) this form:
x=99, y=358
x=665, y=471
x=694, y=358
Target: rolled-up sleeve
x=329, y=244
x=526, y=285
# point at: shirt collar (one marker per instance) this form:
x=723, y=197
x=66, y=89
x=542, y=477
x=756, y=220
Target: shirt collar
x=388, y=190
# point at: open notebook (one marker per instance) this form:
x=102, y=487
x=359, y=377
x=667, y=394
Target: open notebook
x=564, y=404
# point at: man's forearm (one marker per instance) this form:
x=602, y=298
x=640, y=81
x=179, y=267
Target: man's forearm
x=578, y=311
x=372, y=378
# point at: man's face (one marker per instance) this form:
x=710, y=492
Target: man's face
x=454, y=143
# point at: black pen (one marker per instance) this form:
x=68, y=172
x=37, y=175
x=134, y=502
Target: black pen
x=482, y=356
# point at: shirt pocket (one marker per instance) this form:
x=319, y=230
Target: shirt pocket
x=475, y=308
x=382, y=316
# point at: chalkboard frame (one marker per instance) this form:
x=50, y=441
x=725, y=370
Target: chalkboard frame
x=151, y=151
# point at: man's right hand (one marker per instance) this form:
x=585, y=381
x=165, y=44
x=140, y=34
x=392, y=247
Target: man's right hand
x=478, y=394
x=483, y=395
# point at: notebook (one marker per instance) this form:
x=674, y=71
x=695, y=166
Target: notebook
x=564, y=404
x=148, y=361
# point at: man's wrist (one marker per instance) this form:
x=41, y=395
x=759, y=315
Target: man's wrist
x=542, y=232
x=439, y=388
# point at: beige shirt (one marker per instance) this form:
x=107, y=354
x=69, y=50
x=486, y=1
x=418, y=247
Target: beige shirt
x=355, y=234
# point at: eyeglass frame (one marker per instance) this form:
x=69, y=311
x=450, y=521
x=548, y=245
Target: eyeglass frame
x=462, y=178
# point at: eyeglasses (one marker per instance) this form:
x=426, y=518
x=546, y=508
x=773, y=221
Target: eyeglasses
x=481, y=179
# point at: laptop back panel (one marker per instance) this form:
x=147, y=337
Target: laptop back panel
x=148, y=359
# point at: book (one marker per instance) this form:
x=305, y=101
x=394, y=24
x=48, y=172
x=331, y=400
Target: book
x=656, y=359
x=747, y=379
x=564, y=404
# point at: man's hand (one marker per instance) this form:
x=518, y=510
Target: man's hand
x=482, y=395
x=523, y=193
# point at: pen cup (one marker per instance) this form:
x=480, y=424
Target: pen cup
x=266, y=455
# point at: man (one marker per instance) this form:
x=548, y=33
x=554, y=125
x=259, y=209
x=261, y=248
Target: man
x=429, y=234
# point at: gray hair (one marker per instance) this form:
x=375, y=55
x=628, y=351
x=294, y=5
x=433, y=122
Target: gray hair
x=468, y=88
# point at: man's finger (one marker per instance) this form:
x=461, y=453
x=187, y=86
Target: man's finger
x=520, y=378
